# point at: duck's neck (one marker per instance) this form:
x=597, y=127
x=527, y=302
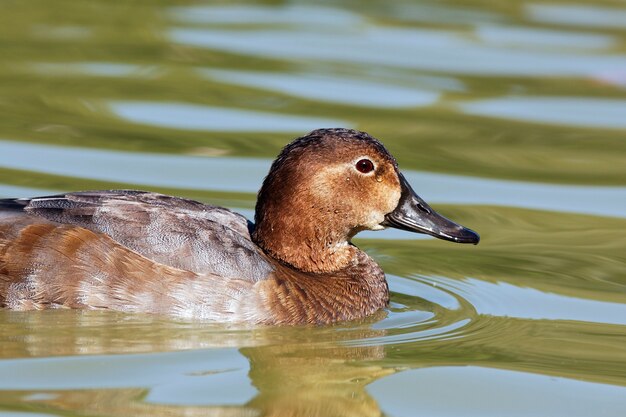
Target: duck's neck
x=308, y=244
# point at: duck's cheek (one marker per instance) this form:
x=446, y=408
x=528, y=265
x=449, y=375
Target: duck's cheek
x=373, y=220
x=388, y=193
x=393, y=198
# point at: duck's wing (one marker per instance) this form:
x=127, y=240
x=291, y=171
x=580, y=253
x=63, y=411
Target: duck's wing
x=177, y=232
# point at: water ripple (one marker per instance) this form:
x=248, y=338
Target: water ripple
x=196, y=117
x=170, y=373
x=568, y=111
x=532, y=37
x=577, y=15
x=423, y=49
x=334, y=89
x=507, y=300
x=452, y=391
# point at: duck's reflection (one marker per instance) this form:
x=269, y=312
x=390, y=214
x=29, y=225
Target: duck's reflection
x=296, y=371
x=315, y=382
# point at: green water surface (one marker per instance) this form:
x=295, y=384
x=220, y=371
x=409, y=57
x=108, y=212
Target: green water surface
x=507, y=116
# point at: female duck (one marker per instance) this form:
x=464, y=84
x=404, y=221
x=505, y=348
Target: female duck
x=138, y=251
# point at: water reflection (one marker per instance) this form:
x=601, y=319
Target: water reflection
x=278, y=371
x=293, y=372
x=336, y=89
x=195, y=117
x=570, y=111
x=10, y=190
x=506, y=300
x=542, y=38
x=578, y=15
x=429, y=50
x=530, y=320
x=162, y=370
x=493, y=392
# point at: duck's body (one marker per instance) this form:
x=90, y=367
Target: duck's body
x=138, y=251
x=144, y=252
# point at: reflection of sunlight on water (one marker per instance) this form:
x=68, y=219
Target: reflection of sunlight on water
x=577, y=15
x=169, y=372
x=220, y=119
x=451, y=391
x=10, y=190
x=345, y=90
x=519, y=313
x=569, y=111
x=507, y=300
x=246, y=174
x=542, y=38
x=424, y=49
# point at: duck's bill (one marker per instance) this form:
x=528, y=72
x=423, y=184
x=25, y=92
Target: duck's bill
x=414, y=215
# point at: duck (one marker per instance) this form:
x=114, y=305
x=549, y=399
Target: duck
x=144, y=252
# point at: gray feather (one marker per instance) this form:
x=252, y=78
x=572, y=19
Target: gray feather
x=181, y=233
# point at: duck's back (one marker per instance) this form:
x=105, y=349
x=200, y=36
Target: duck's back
x=176, y=232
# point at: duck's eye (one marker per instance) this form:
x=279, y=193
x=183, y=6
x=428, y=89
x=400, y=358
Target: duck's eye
x=365, y=166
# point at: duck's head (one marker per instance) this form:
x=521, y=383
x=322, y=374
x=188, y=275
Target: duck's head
x=329, y=185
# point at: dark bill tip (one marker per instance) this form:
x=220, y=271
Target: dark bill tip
x=415, y=215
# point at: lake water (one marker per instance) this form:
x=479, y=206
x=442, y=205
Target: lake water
x=509, y=117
